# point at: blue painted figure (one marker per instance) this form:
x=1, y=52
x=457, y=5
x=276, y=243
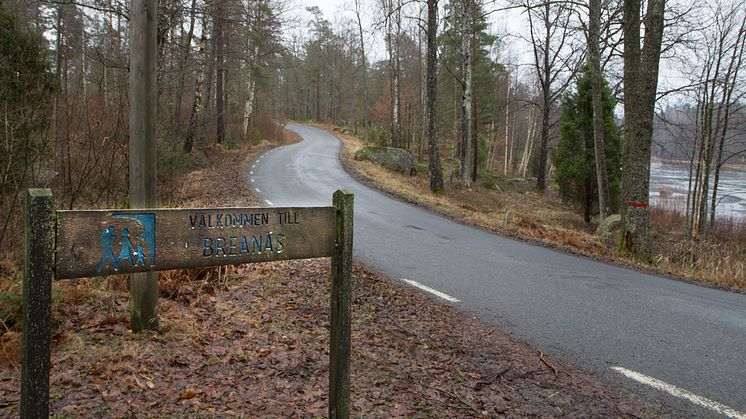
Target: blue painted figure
x=140, y=257
x=107, y=244
x=147, y=236
x=126, y=251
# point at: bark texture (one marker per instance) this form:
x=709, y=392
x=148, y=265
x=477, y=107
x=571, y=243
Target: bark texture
x=436, y=173
x=640, y=85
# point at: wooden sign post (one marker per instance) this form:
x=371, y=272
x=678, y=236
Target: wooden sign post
x=107, y=242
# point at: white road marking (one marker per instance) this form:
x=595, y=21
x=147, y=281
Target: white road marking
x=681, y=393
x=252, y=180
x=431, y=291
x=258, y=190
x=251, y=172
x=268, y=202
x=253, y=166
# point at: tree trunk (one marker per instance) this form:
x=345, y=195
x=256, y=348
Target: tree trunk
x=541, y=176
x=728, y=87
x=507, y=127
x=436, y=175
x=474, y=133
x=57, y=98
x=365, y=72
x=546, y=86
x=466, y=134
x=219, y=24
x=594, y=58
x=198, y=89
x=248, y=113
x=396, y=110
x=640, y=86
x=184, y=62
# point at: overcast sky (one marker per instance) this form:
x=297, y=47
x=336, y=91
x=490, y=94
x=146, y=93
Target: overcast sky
x=337, y=10
x=501, y=23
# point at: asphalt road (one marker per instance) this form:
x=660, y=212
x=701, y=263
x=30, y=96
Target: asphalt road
x=581, y=311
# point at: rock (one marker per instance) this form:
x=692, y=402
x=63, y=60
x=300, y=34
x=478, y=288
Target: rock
x=608, y=229
x=521, y=181
x=391, y=158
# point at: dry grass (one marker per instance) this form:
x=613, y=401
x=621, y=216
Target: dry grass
x=719, y=258
x=489, y=203
x=510, y=206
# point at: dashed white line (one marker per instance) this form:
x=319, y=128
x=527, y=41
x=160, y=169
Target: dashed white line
x=252, y=180
x=251, y=172
x=253, y=166
x=258, y=190
x=681, y=393
x=431, y=291
x=268, y=202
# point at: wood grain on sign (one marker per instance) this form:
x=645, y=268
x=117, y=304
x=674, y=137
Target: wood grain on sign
x=106, y=242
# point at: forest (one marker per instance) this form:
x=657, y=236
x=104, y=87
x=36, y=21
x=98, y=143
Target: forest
x=437, y=78
x=567, y=231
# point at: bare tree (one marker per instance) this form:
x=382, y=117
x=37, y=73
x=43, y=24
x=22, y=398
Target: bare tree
x=723, y=45
x=366, y=100
x=557, y=58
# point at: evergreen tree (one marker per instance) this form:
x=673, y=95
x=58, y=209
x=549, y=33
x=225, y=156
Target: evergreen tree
x=574, y=157
x=27, y=87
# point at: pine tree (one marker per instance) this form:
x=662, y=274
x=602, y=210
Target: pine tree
x=575, y=158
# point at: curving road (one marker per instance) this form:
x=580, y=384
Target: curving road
x=607, y=319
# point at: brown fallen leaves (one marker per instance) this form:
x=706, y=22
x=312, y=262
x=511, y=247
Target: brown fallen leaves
x=257, y=345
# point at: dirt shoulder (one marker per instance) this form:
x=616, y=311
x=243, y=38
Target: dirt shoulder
x=253, y=341
x=511, y=207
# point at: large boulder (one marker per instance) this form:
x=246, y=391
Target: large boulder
x=608, y=228
x=396, y=159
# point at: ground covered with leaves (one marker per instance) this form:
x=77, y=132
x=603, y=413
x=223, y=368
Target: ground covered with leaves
x=253, y=341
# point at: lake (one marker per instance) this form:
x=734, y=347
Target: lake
x=669, y=183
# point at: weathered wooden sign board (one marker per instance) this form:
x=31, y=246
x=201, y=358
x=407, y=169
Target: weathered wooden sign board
x=93, y=243
x=106, y=242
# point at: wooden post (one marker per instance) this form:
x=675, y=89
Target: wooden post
x=37, y=304
x=341, y=309
x=142, y=147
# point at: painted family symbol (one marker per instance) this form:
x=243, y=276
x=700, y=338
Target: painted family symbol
x=129, y=252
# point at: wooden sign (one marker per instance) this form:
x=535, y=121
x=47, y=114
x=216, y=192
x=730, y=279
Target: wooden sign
x=106, y=242
x=94, y=243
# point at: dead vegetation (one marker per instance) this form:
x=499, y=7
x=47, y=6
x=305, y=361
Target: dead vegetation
x=510, y=206
x=252, y=341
